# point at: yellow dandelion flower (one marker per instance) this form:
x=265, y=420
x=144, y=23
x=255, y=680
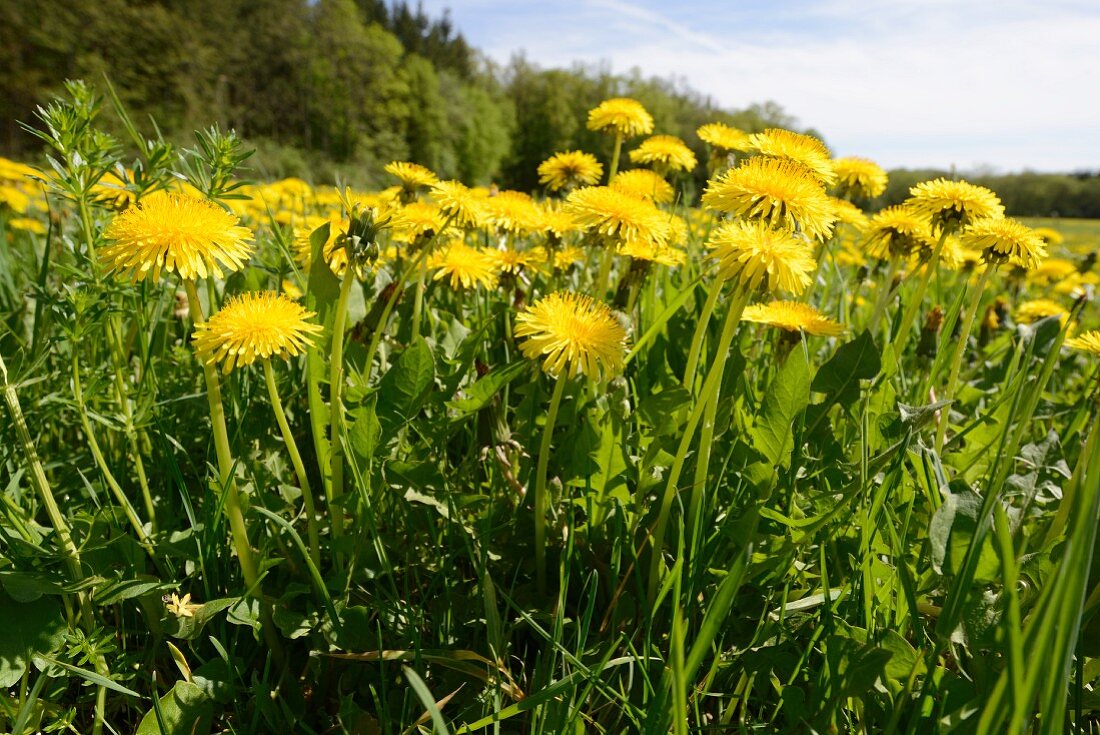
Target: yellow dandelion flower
x=510, y=260
x=111, y=191
x=644, y=184
x=898, y=231
x=621, y=116
x=14, y=198
x=567, y=257
x=256, y=325
x=1052, y=270
x=779, y=192
x=953, y=204
x=615, y=214
x=416, y=219
x=460, y=202
x=570, y=169
x=849, y=213
x=1002, y=239
x=1030, y=312
x=792, y=316
x=803, y=149
x=290, y=288
x=859, y=178
x=1087, y=341
x=412, y=176
x=27, y=224
x=666, y=151
x=1050, y=236
x=336, y=257
x=574, y=334
x=464, y=266
x=558, y=222
x=755, y=255
x=190, y=237
x=1074, y=285
x=513, y=212
x=653, y=252
x=724, y=138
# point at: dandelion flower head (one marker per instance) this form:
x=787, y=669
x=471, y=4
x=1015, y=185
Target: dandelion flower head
x=951, y=205
x=255, y=325
x=859, y=178
x=792, y=316
x=570, y=169
x=664, y=150
x=573, y=334
x=779, y=192
x=753, y=254
x=803, y=149
x=621, y=116
x=1001, y=239
x=190, y=237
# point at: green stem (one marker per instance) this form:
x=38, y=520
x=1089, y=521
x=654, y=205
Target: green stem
x=603, y=276
x=960, y=349
x=710, y=415
x=540, y=483
x=912, y=308
x=296, y=460
x=885, y=290
x=225, y=475
x=700, y=332
x=114, y=337
x=418, y=301
x=336, y=404
x=61, y=528
x=710, y=387
x=101, y=463
x=614, y=169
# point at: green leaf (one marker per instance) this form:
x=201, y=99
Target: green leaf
x=186, y=710
x=91, y=676
x=839, y=378
x=322, y=293
x=951, y=530
x=788, y=396
x=188, y=627
x=366, y=431
x=406, y=385
x=29, y=628
x=481, y=391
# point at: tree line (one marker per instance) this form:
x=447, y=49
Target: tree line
x=327, y=89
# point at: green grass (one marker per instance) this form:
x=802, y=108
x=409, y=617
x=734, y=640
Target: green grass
x=841, y=574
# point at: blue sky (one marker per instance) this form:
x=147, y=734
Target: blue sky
x=1007, y=85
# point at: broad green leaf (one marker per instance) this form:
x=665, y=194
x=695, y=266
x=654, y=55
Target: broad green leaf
x=407, y=384
x=365, y=431
x=29, y=629
x=322, y=293
x=186, y=711
x=951, y=530
x=188, y=627
x=480, y=392
x=788, y=396
x=839, y=378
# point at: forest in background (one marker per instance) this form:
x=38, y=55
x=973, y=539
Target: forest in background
x=335, y=89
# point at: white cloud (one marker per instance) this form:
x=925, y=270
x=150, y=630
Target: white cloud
x=936, y=82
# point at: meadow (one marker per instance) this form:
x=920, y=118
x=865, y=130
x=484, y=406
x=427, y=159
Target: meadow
x=593, y=458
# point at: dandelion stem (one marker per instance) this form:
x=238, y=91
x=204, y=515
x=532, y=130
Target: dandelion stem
x=540, y=483
x=61, y=528
x=418, y=301
x=710, y=388
x=225, y=472
x=912, y=308
x=960, y=349
x=296, y=460
x=101, y=463
x=886, y=288
x=700, y=333
x=336, y=404
x=614, y=168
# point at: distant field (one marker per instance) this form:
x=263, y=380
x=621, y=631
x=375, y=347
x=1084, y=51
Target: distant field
x=1081, y=235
